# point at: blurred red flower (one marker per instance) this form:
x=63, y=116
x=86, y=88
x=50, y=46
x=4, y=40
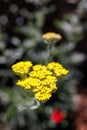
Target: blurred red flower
x=57, y=116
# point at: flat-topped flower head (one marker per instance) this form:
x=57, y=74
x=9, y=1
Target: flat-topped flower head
x=43, y=97
x=21, y=68
x=29, y=83
x=39, y=67
x=40, y=79
x=40, y=72
x=57, y=68
x=51, y=37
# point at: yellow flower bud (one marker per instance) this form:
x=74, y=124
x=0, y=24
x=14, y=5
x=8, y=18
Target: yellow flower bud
x=51, y=37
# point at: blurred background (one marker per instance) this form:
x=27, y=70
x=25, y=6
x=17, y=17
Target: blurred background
x=22, y=24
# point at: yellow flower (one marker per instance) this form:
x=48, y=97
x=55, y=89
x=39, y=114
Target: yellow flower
x=61, y=71
x=29, y=83
x=40, y=72
x=42, y=97
x=57, y=68
x=24, y=83
x=53, y=65
x=51, y=79
x=51, y=37
x=21, y=68
x=39, y=67
x=46, y=88
x=40, y=79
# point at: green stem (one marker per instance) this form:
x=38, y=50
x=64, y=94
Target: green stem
x=50, y=47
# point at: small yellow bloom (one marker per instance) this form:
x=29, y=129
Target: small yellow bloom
x=29, y=83
x=42, y=97
x=51, y=37
x=24, y=83
x=51, y=79
x=21, y=68
x=53, y=65
x=57, y=68
x=40, y=72
x=60, y=72
x=39, y=67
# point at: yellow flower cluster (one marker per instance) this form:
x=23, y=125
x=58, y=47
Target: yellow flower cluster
x=22, y=68
x=57, y=68
x=39, y=78
x=51, y=37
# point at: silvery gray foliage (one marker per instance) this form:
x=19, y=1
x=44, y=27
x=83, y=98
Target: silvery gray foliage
x=37, y=2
